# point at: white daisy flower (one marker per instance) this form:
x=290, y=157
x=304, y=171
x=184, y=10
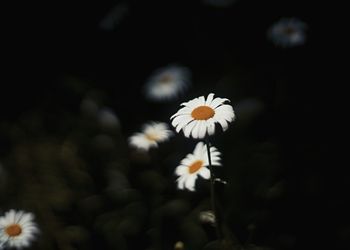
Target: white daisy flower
x=288, y=32
x=17, y=229
x=198, y=117
x=196, y=164
x=167, y=83
x=152, y=133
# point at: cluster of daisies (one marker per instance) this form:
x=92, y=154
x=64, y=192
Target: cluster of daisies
x=197, y=119
x=17, y=229
x=164, y=84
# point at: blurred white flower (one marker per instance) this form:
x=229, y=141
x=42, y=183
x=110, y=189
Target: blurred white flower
x=287, y=32
x=196, y=164
x=17, y=229
x=198, y=117
x=152, y=133
x=167, y=83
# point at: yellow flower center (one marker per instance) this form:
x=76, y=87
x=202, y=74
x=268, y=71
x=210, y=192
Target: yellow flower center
x=166, y=78
x=195, y=166
x=13, y=230
x=151, y=137
x=202, y=113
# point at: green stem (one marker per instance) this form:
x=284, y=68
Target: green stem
x=212, y=192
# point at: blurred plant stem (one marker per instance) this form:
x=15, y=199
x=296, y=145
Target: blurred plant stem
x=212, y=193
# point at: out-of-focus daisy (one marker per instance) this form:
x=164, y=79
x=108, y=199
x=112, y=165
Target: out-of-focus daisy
x=196, y=164
x=152, y=133
x=288, y=32
x=197, y=117
x=17, y=229
x=167, y=83
x=219, y=3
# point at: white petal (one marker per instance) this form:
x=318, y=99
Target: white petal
x=195, y=130
x=181, y=170
x=186, y=162
x=18, y=216
x=11, y=215
x=215, y=163
x=188, y=129
x=192, y=158
x=214, y=150
x=215, y=156
x=223, y=123
x=198, y=150
x=184, y=122
x=204, y=172
x=225, y=111
x=209, y=99
x=190, y=182
x=180, y=119
x=193, y=103
x=211, y=126
x=201, y=100
x=217, y=101
x=181, y=181
x=202, y=129
x=182, y=111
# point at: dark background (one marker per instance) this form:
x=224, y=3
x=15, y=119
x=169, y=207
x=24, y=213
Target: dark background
x=57, y=53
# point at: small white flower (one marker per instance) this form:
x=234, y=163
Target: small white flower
x=288, y=32
x=167, y=83
x=196, y=164
x=198, y=117
x=152, y=133
x=17, y=229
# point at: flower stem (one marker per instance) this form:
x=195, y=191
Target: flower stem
x=212, y=192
